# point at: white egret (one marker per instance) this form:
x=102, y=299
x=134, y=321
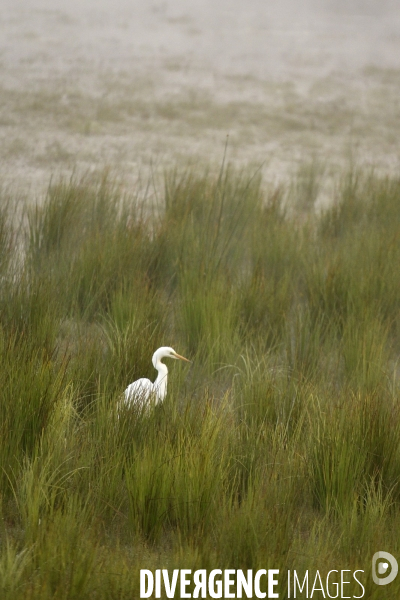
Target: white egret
x=143, y=391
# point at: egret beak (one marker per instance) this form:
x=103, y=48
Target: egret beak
x=181, y=357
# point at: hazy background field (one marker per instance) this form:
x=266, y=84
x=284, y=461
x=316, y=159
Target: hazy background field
x=127, y=84
x=279, y=445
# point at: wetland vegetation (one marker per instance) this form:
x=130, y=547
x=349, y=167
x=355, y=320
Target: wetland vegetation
x=278, y=447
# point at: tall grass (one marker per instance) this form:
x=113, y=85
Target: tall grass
x=278, y=447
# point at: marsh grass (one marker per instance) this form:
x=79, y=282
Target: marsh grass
x=277, y=447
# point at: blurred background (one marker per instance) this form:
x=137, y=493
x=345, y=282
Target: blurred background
x=139, y=86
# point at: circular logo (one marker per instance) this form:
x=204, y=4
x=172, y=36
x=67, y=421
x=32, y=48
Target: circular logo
x=382, y=568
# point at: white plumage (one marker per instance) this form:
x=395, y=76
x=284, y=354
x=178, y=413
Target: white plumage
x=143, y=391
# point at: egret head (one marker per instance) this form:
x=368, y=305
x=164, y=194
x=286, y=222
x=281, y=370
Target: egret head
x=166, y=352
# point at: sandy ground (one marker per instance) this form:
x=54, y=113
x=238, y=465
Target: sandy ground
x=140, y=85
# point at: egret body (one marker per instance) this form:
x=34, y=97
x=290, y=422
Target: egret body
x=143, y=391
